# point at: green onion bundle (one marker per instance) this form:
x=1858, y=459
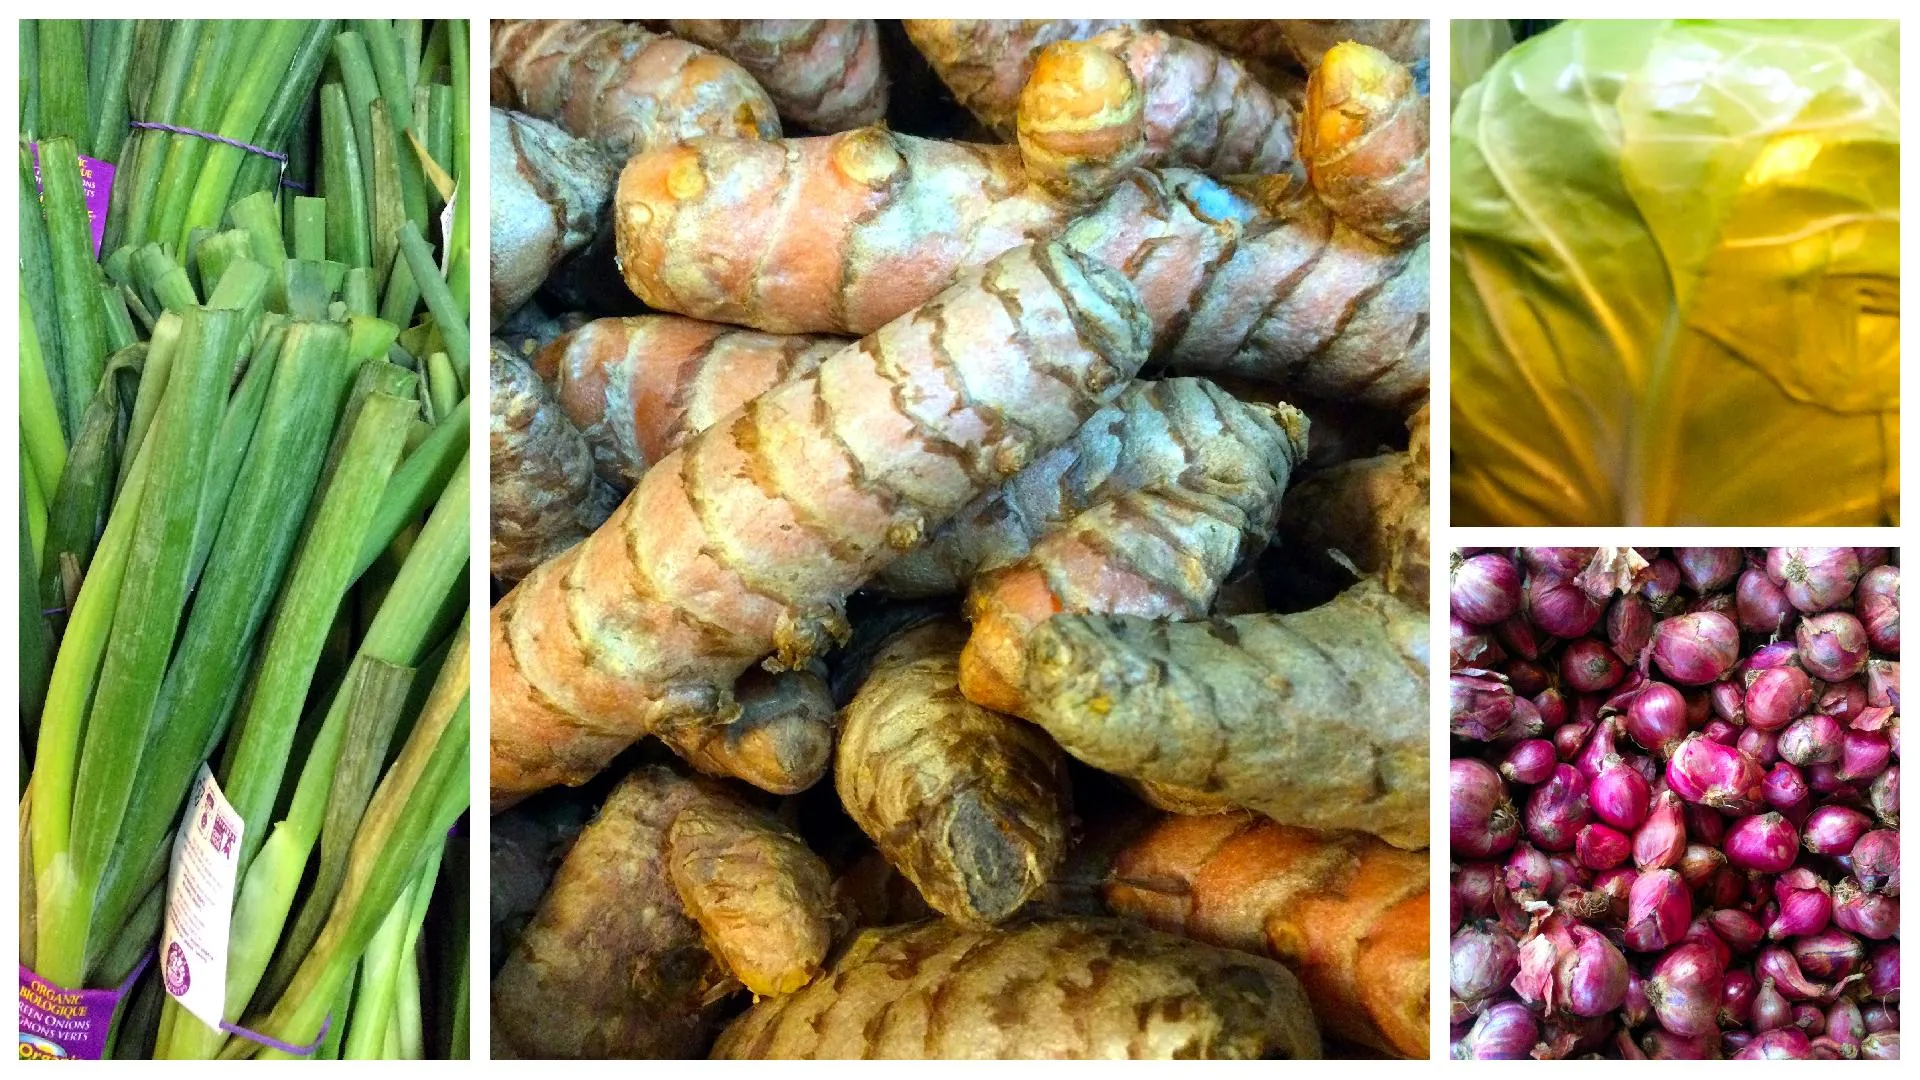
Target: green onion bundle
x=245, y=496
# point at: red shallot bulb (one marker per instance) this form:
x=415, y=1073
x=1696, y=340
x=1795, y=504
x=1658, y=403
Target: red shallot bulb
x=1875, y=916
x=1658, y=910
x=1829, y=955
x=1481, y=705
x=1832, y=830
x=1814, y=739
x=1557, y=809
x=1777, y=696
x=1601, y=847
x=1685, y=990
x=1805, y=905
x=1863, y=754
x=1707, y=569
x=1630, y=626
x=1706, y=772
x=1761, y=606
x=1762, y=746
x=1593, y=976
x=1884, y=795
x=1878, y=607
x=1784, y=785
x=1662, y=839
x=1482, y=823
x=1697, y=648
x=1529, y=762
x=1518, y=636
x=1527, y=678
x=1771, y=1009
x=1699, y=863
x=1814, y=579
x=1620, y=795
x=1660, y=584
x=1561, y=562
x=1779, y=1044
x=1741, y=931
x=1883, y=971
x=1736, y=998
x=1484, y=960
x=1777, y=964
x=1656, y=718
x=1876, y=861
x=1528, y=874
x=1483, y=589
x=1766, y=843
x=1590, y=666
x=1561, y=608
x=1881, y=1046
x=1506, y=1031
x=1833, y=645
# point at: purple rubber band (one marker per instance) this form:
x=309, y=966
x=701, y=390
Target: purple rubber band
x=272, y=1043
x=267, y=1041
x=248, y=147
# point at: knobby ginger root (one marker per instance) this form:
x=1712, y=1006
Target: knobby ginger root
x=1262, y=283
x=545, y=497
x=1094, y=109
x=625, y=86
x=779, y=736
x=1365, y=142
x=1316, y=719
x=549, y=193
x=748, y=539
x=985, y=62
x=639, y=387
x=1344, y=912
x=823, y=74
x=972, y=806
x=1302, y=42
x=762, y=899
x=1068, y=988
x=1373, y=511
x=611, y=965
x=1160, y=552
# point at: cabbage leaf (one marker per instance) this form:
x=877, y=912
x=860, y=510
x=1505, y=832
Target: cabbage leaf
x=1675, y=277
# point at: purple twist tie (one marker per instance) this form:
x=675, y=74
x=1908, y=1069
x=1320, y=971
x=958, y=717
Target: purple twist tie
x=248, y=147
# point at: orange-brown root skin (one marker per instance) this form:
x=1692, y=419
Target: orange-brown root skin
x=748, y=538
x=1365, y=143
x=823, y=74
x=1345, y=912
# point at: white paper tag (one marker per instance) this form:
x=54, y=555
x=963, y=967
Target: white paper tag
x=446, y=232
x=193, y=940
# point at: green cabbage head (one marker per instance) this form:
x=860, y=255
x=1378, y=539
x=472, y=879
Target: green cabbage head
x=1676, y=275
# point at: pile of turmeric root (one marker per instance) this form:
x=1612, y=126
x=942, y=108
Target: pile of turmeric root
x=959, y=525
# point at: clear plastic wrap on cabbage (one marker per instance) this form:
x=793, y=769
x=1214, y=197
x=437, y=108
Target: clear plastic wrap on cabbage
x=1676, y=275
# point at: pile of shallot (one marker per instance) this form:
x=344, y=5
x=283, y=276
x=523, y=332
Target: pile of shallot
x=1675, y=803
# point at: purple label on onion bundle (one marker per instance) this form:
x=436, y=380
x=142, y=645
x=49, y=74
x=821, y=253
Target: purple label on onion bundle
x=61, y=1024
x=96, y=188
